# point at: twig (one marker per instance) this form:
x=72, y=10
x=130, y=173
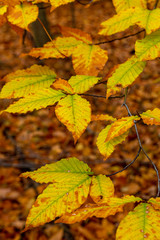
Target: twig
x=156, y=4
x=140, y=144
x=84, y=3
x=127, y=166
x=131, y=35
x=92, y=95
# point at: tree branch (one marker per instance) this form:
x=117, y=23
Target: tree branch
x=131, y=35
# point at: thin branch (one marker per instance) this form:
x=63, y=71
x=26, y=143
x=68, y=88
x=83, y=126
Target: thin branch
x=140, y=144
x=84, y=3
x=156, y=4
x=127, y=166
x=92, y=95
x=131, y=35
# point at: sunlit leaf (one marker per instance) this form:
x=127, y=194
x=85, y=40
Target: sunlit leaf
x=77, y=34
x=23, y=14
x=121, y=5
x=82, y=83
x=141, y=223
x=124, y=74
x=120, y=126
x=36, y=101
x=101, y=117
x=58, y=199
x=74, y=112
x=103, y=210
x=63, y=85
x=101, y=188
x=3, y=9
x=64, y=170
x=106, y=148
x=151, y=117
x=30, y=80
x=89, y=59
x=149, y=47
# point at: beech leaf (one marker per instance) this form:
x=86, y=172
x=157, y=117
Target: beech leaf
x=151, y=117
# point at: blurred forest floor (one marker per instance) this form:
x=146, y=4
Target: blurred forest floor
x=31, y=140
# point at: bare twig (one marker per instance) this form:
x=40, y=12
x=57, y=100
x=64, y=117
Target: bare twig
x=84, y=3
x=128, y=165
x=92, y=95
x=109, y=41
x=156, y=4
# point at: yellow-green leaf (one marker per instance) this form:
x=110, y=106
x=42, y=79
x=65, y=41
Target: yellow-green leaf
x=74, y=112
x=30, y=80
x=102, y=117
x=63, y=85
x=119, y=22
x=103, y=210
x=82, y=83
x=39, y=100
x=106, y=148
x=57, y=3
x=124, y=75
x=101, y=188
x=151, y=117
x=122, y=5
x=141, y=223
x=22, y=15
x=47, y=51
x=65, y=170
x=149, y=47
x=89, y=59
x=58, y=199
x=120, y=126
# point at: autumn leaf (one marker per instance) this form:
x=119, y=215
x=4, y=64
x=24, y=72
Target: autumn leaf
x=63, y=85
x=58, y=199
x=151, y=117
x=107, y=147
x=122, y=5
x=120, y=126
x=141, y=223
x=36, y=101
x=74, y=112
x=24, y=82
x=89, y=59
x=82, y=83
x=23, y=14
x=124, y=74
x=155, y=202
x=62, y=171
x=149, y=47
x=101, y=189
x=101, y=117
x=99, y=210
x=3, y=9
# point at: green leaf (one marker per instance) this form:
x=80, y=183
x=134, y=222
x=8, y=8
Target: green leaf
x=122, y=5
x=30, y=80
x=61, y=171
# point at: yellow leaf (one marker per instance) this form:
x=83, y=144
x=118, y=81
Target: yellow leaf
x=101, y=189
x=141, y=223
x=120, y=126
x=155, y=202
x=74, y=112
x=3, y=9
x=88, y=59
x=124, y=75
x=149, y=47
x=77, y=34
x=47, y=51
x=66, y=45
x=57, y=3
x=102, y=117
x=119, y=22
x=64, y=170
x=122, y=5
x=31, y=80
x=58, y=199
x=36, y=101
x=82, y=83
x=63, y=85
x=106, y=148
x=151, y=117
x=99, y=210
x=22, y=15
x=148, y=19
